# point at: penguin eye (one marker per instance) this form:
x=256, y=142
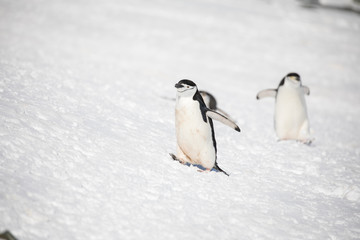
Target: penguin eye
x=187, y=86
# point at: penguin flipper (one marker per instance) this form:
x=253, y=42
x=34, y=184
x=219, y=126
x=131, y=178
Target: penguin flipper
x=306, y=90
x=223, y=113
x=266, y=93
x=221, y=118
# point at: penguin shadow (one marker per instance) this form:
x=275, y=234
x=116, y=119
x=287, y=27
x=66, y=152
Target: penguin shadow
x=314, y=4
x=7, y=236
x=309, y=143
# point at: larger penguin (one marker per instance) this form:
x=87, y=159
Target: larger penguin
x=291, y=117
x=195, y=133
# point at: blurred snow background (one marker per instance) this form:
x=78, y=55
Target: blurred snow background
x=86, y=126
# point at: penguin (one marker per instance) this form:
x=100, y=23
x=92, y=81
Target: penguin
x=291, y=117
x=195, y=133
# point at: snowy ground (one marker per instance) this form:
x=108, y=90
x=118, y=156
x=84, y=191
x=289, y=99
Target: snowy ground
x=86, y=126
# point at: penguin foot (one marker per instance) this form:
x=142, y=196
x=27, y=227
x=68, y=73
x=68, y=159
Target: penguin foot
x=307, y=141
x=304, y=141
x=175, y=158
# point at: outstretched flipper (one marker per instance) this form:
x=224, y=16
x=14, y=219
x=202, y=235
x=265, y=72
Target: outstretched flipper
x=266, y=93
x=224, y=113
x=306, y=90
x=221, y=118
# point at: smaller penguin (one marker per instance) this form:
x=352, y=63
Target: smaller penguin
x=291, y=117
x=195, y=133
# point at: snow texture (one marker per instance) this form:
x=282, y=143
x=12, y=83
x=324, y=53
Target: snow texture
x=86, y=124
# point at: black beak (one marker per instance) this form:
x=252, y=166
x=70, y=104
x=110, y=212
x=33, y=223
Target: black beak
x=178, y=85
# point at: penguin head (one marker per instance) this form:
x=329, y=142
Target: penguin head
x=293, y=79
x=186, y=88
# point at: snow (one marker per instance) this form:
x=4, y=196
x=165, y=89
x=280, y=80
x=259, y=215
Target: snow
x=86, y=124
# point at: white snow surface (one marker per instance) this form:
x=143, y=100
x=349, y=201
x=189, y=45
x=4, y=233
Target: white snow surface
x=86, y=124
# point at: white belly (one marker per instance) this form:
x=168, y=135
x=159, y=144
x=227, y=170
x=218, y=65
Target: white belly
x=194, y=136
x=291, y=120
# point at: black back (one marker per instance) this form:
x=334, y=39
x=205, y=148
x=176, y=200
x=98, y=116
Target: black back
x=281, y=82
x=203, y=110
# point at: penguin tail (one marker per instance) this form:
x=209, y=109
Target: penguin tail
x=216, y=167
x=173, y=156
